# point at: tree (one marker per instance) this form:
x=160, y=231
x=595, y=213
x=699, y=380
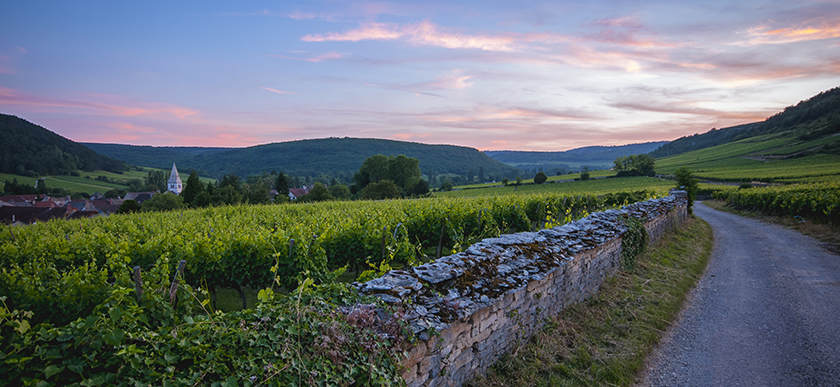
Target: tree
x=403, y=171
x=230, y=181
x=128, y=207
x=340, y=191
x=540, y=177
x=318, y=193
x=635, y=165
x=192, y=189
x=687, y=182
x=166, y=201
x=446, y=186
x=384, y=189
x=373, y=169
x=203, y=199
x=481, y=174
x=584, y=175
x=114, y=193
x=157, y=179
x=420, y=188
x=226, y=195
x=505, y=181
x=257, y=193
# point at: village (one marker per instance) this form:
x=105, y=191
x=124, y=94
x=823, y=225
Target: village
x=18, y=210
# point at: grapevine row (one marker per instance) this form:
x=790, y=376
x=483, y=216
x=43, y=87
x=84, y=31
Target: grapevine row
x=819, y=201
x=237, y=246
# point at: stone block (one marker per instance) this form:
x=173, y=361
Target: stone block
x=409, y=373
x=415, y=354
x=487, y=322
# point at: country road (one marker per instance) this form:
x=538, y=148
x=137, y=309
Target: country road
x=765, y=313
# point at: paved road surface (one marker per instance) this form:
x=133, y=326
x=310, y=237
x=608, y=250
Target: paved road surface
x=765, y=313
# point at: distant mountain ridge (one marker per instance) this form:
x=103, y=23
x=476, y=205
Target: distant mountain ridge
x=593, y=157
x=30, y=149
x=331, y=156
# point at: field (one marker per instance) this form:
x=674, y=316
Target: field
x=587, y=187
x=87, y=182
x=572, y=176
x=756, y=159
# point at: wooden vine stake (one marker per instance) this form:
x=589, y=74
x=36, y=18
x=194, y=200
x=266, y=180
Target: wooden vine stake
x=439, y=250
x=384, y=232
x=138, y=284
x=173, y=290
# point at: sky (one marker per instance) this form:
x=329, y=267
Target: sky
x=492, y=75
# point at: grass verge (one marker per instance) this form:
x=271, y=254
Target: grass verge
x=828, y=234
x=604, y=341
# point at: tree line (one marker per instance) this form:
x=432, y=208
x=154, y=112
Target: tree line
x=379, y=177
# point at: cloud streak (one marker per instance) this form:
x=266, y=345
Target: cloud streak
x=11, y=97
x=423, y=33
x=314, y=59
x=277, y=91
x=818, y=29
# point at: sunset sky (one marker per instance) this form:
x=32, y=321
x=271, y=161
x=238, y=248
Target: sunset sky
x=523, y=75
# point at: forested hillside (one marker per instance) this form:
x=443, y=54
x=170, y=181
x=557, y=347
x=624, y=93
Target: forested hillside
x=594, y=157
x=711, y=138
x=152, y=156
x=29, y=149
x=330, y=156
x=816, y=117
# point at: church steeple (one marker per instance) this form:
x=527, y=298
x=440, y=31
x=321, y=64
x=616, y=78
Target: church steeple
x=174, y=182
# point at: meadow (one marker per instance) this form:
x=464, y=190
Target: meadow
x=757, y=159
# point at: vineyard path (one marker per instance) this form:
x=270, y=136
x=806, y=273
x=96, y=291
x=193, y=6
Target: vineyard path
x=765, y=313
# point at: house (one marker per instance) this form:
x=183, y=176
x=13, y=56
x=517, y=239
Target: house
x=139, y=197
x=107, y=206
x=174, y=182
x=295, y=193
x=46, y=204
x=79, y=205
x=17, y=199
x=17, y=216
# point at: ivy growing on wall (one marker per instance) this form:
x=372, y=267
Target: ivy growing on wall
x=633, y=242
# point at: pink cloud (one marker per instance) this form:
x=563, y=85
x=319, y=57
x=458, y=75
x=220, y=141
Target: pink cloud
x=423, y=33
x=367, y=31
x=131, y=128
x=817, y=29
x=277, y=91
x=409, y=136
x=16, y=98
x=314, y=59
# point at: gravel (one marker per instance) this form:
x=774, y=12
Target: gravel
x=765, y=313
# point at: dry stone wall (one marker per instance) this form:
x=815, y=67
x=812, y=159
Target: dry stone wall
x=470, y=308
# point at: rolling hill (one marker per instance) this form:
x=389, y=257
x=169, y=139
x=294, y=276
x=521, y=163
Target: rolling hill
x=29, y=149
x=330, y=156
x=800, y=144
x=810, y=119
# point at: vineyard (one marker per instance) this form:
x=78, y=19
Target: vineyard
x=231, y=247
x=587, y=187
x=758, y=159
x=819, y=201
x=71, y=291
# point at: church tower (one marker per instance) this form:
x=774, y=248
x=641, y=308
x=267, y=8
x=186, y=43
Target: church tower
x=174, y=182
